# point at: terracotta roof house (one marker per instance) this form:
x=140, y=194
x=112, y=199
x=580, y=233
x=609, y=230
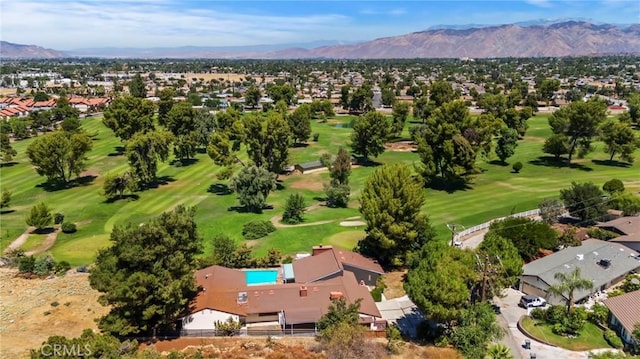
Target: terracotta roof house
x=628, y=228
x=625, y=314
x=604, y=263
x=290, y=298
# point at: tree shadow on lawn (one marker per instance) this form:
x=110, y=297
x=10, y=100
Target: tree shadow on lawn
x=367, y=162
x=498, y=163
x=119, y=151
x=450, y=186
x=47, y=230
x=8, y=164
x=161, y=181
x=53, y=186
x=7, y=211
x=184, y=162
x=612, y=163
x=300, y=145
x=549, y=161
x=131, y=196
x=243, y=209
x=220, y=189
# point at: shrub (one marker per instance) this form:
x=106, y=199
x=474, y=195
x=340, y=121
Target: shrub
x=613, y=186
x=599, y=314
x=287, y=260
x=58, y=218
x=517, y=167
x=629, y=285
x=228, y=327
x=44, y=265
x=61, y=267
x=68, y=227
x=575, y=321
x=555, y=314
x=376, y=293
x=82, y=269
x=613, y=339
x=55, y=304
x=257, y=229
x=615, y=293
x=538, y=314
x=394, y=339
x=26, y=264
x=316, y=136
x=602, y=234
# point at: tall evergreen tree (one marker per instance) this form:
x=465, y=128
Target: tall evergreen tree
x=137, y=88
x=147, y=276
x=391, y=202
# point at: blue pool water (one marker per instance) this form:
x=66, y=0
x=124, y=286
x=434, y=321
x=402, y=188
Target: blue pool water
x=261, y=276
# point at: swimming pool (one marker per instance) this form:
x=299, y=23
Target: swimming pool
x=261, y=276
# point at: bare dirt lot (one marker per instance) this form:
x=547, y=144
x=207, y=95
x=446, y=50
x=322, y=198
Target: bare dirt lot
x=70, y=302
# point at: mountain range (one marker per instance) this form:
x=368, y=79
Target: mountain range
x=538, y=38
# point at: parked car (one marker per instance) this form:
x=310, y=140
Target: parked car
x=531, y=301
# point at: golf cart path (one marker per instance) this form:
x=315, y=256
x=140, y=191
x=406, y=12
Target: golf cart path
x=275, y=220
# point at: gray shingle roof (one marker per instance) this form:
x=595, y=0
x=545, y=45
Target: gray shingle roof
x=586, y=257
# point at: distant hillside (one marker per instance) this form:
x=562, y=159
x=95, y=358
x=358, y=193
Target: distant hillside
x=10, y=50
x=571, y=38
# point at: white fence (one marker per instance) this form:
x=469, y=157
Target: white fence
x=485, y=225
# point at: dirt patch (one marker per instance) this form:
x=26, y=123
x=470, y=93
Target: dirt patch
x=49, y=241
x=241, y=347
x=394, y=281
x=23, y=321
x=22, y=239
x=89, y=173
x=310, y=181
x=401, y=146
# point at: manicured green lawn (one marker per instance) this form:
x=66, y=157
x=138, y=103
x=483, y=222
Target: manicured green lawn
x=34, y=241
x=494, y=193
x=591, y=337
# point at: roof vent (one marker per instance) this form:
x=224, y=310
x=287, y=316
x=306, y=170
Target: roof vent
x=303, y=290
x=335, y=295
x=567, y=266
x=242, y=297
x=580, y=257
x=595, y=253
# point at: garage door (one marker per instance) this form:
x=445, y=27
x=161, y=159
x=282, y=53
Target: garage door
x=531, y=290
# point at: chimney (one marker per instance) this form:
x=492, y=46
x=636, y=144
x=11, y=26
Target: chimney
x=335, y=295
x=303, y=290
x=320, y=249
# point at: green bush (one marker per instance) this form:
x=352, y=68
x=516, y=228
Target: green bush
x=257, y=229
x=82, y=269
x=613, y=339
x=26, y=264
x=517, y=167
x=61, y=267
x=376, y=293
x=629, y=286
x=599, y=314
x=602, y=234
x=68, y=227
x=575, y=321
x=555, y=314
x=316, y=136
x=44, y=265
x=58, y=218
x=538, y=314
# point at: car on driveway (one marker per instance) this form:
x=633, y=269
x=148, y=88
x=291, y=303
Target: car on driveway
x=531, y=301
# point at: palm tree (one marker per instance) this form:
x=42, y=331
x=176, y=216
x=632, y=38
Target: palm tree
x=568, y=284
x=499, y=351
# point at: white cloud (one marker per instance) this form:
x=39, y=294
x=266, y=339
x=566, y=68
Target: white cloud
x=391, y=12
x=149, y=23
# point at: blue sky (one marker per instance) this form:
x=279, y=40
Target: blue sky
x=72, y=24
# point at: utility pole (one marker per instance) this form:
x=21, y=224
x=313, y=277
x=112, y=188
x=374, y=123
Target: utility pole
x=454, y=228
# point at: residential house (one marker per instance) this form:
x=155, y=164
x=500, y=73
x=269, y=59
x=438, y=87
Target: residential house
x=624, y=314
x=628, y=228
x=293, y=299
x=604, y=263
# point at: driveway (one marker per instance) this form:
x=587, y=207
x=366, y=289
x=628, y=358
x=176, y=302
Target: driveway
x=511, y=313
x=403, y=312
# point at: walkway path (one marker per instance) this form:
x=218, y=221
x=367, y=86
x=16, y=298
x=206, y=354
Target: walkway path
x=276, y=220
x=22, y=239
x=49, y=241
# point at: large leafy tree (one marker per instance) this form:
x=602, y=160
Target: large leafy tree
x=59, y=155
x=165, y=104
x=268, y=140
x=147, y=275
x=137, y=87
x=117, y=184
x=181, y=121
x=568, y=284
x=526, y=234
x=340, y=169
x=370, y=132
x=441, y=92
x=341, y=336
x=63, y=109
x=129, y=115
x=551, y=209
x=500, y=267
x=507, y=143
x=300, y=123
x=580, y=122
x=252, y=186
x=281, y=92
x=476, y=328
x=634, y=107
x=294, y=209
x=443, y=149
x=400, y=114
x=557, y=145
x=6, y=151
x=619, y=138
x=143, y=152
x=390, y=204
x=252, y=96
x=584, y=201
x=439, y=281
